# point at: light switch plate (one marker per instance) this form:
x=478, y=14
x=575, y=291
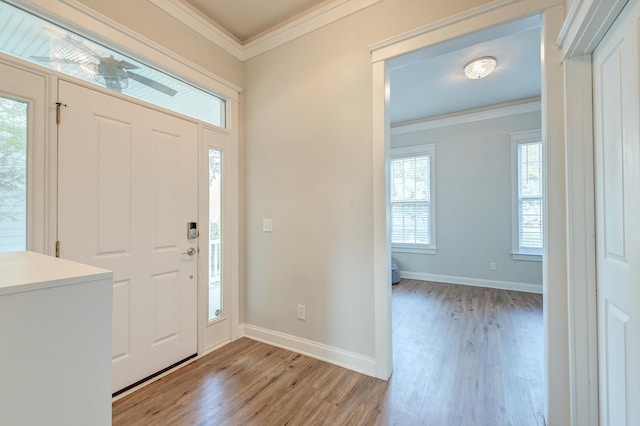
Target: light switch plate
x=267, y=225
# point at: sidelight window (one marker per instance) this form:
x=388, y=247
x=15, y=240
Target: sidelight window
x=215, y=234
x=13, y=174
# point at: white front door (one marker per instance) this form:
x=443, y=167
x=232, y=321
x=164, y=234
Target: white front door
x=617, y=167
x=127, y=188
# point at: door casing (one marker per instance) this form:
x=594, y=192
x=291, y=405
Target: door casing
x=586, y=24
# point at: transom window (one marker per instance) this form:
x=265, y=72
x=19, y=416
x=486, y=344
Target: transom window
x=31, y=38
x=412, y=198
x=528, y=193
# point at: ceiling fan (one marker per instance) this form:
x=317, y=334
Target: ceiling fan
x=107, y=70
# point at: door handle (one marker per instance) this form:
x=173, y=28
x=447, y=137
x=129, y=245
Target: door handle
x=191, y=251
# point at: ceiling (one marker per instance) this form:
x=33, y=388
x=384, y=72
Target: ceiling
x=431, y=82
x=247, y=19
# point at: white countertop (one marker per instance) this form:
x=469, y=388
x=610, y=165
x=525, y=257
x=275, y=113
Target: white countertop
x=27, y=271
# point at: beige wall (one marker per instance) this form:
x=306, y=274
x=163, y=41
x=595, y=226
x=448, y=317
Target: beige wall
x=308, y=165
x=306, y=162
x=146, y=19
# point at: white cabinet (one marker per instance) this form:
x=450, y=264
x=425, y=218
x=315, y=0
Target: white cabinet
x=55, y=342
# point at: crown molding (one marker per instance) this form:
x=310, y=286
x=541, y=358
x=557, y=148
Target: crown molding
x=306, y=24
x=194, y=20
x=480, y=114
x=299, y=27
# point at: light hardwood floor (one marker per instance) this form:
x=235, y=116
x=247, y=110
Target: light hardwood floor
x=462, y=356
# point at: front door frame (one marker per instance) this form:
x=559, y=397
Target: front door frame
x=79, y=18
x=555, y=264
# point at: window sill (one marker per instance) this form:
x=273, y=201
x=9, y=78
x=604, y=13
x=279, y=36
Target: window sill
x=528, y=257
x=414, y=250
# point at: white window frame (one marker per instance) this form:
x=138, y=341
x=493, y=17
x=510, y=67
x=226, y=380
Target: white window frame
x=416, y=151
x=518, y=138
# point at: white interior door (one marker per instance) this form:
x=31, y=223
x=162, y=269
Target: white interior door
x=127, y=189
x=617, y=155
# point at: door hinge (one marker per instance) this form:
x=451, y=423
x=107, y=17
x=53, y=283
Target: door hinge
x=57, y=248
x=58, y=105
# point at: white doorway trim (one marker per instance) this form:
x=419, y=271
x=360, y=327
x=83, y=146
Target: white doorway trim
x=555, y=256
x=586, y=24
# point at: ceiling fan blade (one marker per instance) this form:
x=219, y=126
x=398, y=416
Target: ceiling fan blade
x=60, y=60
x=126, y=65
x=152, y=83
x=62, y=35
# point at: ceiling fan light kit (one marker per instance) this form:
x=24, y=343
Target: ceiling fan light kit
x=480, y=67
x=113, y=73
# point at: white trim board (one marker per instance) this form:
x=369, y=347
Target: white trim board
x=200, y=24
x=474, y=282
x=340, y=357
x=268, y=40
x=586, y=23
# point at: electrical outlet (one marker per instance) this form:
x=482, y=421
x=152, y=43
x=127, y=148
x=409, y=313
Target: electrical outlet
x=267, y=225
x=493, y=266
x=302, y=312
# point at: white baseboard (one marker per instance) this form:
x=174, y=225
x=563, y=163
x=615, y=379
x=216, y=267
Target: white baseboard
x=475, y=282
x=340, y=357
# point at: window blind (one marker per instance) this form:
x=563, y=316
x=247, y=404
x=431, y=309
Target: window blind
x=411, y=200
x=530, y=206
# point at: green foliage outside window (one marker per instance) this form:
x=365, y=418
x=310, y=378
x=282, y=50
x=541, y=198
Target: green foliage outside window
x=13, y=160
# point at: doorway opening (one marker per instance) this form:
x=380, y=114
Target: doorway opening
x=465, y=29
x=483, y=182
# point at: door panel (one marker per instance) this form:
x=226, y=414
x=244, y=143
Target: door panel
x=617, y=167
x=127, y=188
x=114, y=196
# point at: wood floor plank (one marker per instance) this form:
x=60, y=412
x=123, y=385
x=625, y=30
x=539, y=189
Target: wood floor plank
x=462, y=356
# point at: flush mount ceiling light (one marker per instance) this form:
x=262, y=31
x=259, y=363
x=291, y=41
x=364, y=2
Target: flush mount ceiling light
x=480, y=68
